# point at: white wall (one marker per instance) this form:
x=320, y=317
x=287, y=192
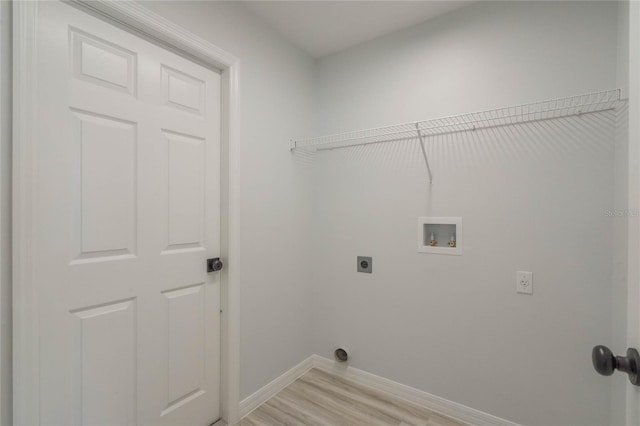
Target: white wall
x=276, y=98
x=532, y=197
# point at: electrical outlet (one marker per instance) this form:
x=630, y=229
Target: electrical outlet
x=524, y=282
x=365, y=264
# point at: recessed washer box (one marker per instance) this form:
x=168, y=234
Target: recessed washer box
x=440, y=235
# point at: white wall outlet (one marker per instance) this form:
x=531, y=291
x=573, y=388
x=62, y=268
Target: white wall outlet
x=524, y=282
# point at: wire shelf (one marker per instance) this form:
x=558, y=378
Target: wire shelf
x=525, y=113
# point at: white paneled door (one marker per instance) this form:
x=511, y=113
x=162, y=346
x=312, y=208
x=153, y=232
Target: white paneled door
x=127, y=193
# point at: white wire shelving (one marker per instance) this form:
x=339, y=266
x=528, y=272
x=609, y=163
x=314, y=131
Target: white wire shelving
x=525, y=113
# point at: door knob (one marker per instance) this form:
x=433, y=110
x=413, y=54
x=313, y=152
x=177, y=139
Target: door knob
x=214, y=264
x=606, y=363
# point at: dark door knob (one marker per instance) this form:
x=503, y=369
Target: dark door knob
x=214, y=264
x=606, y=363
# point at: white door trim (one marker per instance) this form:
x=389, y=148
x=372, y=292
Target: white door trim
x=633, y=248
x=139, y=20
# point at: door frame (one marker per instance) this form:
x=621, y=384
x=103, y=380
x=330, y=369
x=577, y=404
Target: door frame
x=633, y=244
x=140, y=21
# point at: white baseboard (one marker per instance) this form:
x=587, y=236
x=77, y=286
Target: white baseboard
x=431, y=402
x=263, y=394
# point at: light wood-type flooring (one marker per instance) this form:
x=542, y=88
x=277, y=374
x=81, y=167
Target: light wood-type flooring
x=318, y=398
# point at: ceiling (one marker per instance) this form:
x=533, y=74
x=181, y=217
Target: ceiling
x=325, y=27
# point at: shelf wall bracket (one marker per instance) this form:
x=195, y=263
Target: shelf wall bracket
x=424, y=152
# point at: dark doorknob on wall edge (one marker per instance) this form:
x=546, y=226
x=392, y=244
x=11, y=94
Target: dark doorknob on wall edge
x=606, y=363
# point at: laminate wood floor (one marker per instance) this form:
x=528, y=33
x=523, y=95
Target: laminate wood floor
x=320, y=399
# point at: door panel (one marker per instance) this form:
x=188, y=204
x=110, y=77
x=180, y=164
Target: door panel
x=105, y=359
x=185, y=310
x=102, y=63
x=185, y=173
x=127, y=190
x=105, y=186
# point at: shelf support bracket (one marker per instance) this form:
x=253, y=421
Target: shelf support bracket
x=424, y=152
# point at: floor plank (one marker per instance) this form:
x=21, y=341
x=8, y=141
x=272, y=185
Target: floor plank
x=320, y=399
